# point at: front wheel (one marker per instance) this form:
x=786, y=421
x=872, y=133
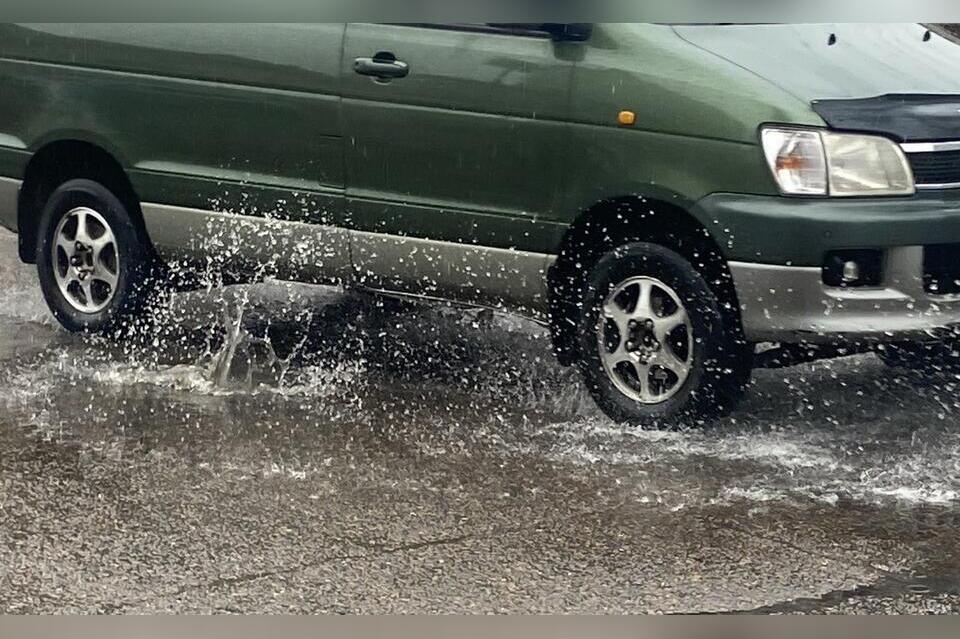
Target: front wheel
x=654, y=347
x=96, y=269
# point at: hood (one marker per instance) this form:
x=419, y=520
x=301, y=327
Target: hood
x=886, y=78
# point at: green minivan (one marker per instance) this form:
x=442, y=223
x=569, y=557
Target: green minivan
x=665, y=197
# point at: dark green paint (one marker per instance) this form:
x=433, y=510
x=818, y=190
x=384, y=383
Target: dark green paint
x=223, y=107
x=797, y=231
x=498, y=140
x=256, y=200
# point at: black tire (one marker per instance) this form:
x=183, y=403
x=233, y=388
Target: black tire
x=136, y=264
x=929, y=358
x=721, y=362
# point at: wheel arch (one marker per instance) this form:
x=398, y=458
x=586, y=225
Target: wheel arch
x=56, y=161
x=662, y=218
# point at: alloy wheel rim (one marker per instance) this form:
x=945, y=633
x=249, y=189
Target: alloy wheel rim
x=646, y=340
x=86, y=260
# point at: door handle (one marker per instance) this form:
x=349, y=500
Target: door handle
x=383, y=65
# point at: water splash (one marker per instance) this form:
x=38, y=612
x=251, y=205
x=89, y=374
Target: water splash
x=448, y=382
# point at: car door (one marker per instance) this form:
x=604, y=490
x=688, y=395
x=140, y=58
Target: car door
x=230, y=133
x=454, y=138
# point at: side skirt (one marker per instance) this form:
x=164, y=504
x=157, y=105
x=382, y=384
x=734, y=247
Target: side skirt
x=255, y=246
x=478, y=275
x=466, y=274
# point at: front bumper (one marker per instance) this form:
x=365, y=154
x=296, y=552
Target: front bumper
x=776, y=248
x=791, y=304
x=800, y=231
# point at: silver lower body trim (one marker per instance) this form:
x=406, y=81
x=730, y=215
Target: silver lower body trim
x=274, y=248
x=791, y=304
x=512, y=279
x=9, y=194
x=449, y=270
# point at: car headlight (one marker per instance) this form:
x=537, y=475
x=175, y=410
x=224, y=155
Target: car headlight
x=816, y=162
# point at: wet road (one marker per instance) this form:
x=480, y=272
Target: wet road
x=283, y=449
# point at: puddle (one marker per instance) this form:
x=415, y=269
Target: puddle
x=883, y=597
x=441, y=382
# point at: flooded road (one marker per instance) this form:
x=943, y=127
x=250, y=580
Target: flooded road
x=278, y=448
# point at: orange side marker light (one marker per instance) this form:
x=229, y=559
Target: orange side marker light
x=627, y=118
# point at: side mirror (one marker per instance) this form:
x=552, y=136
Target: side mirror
x=568, y=32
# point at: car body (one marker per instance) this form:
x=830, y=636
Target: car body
x=494, y=164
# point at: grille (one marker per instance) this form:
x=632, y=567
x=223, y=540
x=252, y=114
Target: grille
x=936, y=168
x=941, y=269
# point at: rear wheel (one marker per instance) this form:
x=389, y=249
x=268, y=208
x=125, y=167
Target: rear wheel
x=654, y=349
x=96, y=269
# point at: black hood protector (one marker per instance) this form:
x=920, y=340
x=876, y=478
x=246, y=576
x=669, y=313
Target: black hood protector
x=907, y=118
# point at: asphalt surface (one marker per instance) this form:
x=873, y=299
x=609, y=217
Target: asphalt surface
x=283, y=449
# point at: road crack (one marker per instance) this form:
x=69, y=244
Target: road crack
x=375, y=550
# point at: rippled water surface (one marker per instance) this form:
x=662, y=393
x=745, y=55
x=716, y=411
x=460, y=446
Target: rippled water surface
x=313, y=387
